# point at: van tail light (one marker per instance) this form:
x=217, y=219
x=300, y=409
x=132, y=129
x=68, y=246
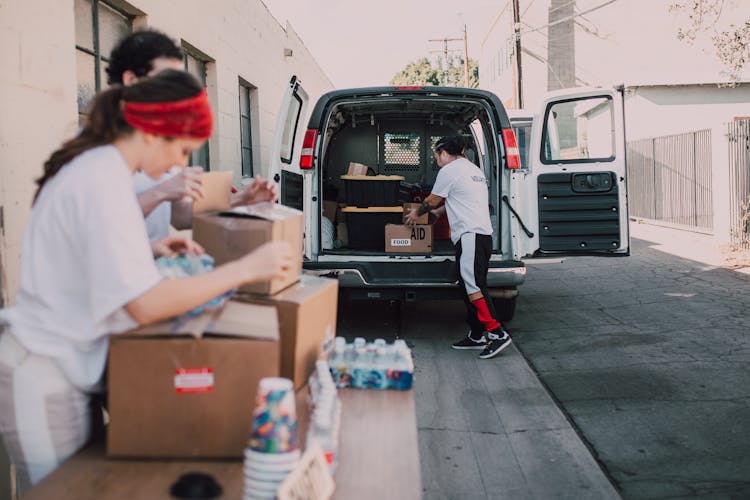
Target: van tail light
x=513, y=158
x=308, y=148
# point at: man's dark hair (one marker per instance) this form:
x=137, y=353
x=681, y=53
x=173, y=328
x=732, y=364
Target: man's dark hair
x=136, y=51
x=452, y=144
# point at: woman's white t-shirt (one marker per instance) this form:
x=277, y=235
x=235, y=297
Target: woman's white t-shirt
x=464, y=187
x=85, y=255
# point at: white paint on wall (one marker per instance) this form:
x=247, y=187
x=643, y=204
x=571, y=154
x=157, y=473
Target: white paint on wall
x=38, y=88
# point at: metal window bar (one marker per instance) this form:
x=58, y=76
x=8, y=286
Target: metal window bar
x=738, y=142
x=669, y=180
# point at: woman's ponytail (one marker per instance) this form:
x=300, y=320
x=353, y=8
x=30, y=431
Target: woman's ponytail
x=104, y=124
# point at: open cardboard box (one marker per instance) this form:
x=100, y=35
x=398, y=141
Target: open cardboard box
x=186, y=388
x=229, y=235
x=217, y=190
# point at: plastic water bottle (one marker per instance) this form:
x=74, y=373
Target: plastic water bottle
x=339, y=366
x=380, y=368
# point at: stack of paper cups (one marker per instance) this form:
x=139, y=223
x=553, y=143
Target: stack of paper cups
x=272, y=449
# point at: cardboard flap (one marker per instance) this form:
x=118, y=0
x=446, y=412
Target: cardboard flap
x=267, y=210
x=217, y=187
x=234, y=319
x=246, y=320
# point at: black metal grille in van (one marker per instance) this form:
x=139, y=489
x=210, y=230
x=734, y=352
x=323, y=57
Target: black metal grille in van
x=578, y=212
x=402, y=152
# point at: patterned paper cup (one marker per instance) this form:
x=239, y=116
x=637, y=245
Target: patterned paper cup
x=274, y=417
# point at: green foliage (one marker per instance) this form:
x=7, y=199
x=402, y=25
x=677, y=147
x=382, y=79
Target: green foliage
x=731, y=42
x=424, y=72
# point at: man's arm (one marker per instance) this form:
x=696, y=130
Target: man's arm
x=430, y=203
x=182, y=214
x=187, y=183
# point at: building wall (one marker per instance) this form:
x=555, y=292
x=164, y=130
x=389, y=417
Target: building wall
x=654, y=111
x=38, y=88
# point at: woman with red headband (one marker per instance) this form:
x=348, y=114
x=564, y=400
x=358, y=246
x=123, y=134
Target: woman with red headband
x=87, y=269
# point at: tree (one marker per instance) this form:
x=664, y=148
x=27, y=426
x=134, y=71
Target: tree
x=731, y=42
x=423, y=72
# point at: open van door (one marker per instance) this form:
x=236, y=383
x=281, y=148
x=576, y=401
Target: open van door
x=573, y=191
x=285, y=154
x=284, y=168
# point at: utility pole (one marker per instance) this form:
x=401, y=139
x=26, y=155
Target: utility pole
x=466, y=61
x=445, y=53
x=517, y=34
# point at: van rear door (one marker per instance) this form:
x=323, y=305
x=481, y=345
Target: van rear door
x=284, y=168
x=573, y=192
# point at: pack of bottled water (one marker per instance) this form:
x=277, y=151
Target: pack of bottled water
x=376, y=365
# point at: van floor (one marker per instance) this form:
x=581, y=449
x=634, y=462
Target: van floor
x=439, y=247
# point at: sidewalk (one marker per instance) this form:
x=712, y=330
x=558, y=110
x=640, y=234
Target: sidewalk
x=688, y=245
x=488, y=428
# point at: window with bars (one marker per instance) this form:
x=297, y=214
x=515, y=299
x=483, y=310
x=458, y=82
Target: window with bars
x=99, y=27
x=196, y=66
x=246, y=138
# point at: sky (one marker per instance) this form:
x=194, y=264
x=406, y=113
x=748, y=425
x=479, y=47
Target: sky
x=364, y=43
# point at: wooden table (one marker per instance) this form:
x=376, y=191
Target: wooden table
x=378, y=458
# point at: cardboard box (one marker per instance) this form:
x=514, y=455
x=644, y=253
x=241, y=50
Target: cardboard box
x=217, y=189
x=422, y=219
x=329, y=210
x=406, y=239
x=186, y=388
x=226, y=236
x=357, y=169
x=307, y=318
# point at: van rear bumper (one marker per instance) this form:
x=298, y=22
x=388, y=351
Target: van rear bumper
x=502, y=274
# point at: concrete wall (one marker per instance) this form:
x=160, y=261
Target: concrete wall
x=38, y=88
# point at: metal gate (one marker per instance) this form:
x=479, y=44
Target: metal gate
x=738, y=135
x=669, y=180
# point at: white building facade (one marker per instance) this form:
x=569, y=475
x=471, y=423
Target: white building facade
x=54, y=55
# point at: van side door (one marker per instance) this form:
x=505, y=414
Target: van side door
x=574, y=189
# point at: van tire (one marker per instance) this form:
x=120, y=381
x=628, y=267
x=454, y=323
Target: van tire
x=504, y=308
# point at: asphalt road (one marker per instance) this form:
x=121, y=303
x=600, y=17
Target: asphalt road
x=647, y=356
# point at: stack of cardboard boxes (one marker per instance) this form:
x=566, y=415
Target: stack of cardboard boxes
x=185, y=388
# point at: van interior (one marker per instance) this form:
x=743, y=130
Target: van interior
x=394, y=137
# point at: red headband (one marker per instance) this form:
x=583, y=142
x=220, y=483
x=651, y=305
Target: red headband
x=190, y=117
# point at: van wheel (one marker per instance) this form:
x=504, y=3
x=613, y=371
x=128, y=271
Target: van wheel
x=504, y=308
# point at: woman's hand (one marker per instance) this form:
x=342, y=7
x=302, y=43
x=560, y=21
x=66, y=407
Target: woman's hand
x=258, y=191
x=268, y=261
x=172, y=245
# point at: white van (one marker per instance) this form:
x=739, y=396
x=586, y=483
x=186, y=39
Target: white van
x=566, y=197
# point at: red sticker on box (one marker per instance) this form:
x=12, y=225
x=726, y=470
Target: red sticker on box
x=193, y=380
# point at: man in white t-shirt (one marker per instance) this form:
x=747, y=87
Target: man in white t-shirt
x=461, y=188
x=168, y=200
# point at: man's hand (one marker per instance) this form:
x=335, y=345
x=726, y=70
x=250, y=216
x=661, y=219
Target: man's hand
x=258, y=191
x=411, y=218
x=172, y=245
x=186, y=184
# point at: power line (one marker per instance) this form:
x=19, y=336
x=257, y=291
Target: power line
x=565, y=19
